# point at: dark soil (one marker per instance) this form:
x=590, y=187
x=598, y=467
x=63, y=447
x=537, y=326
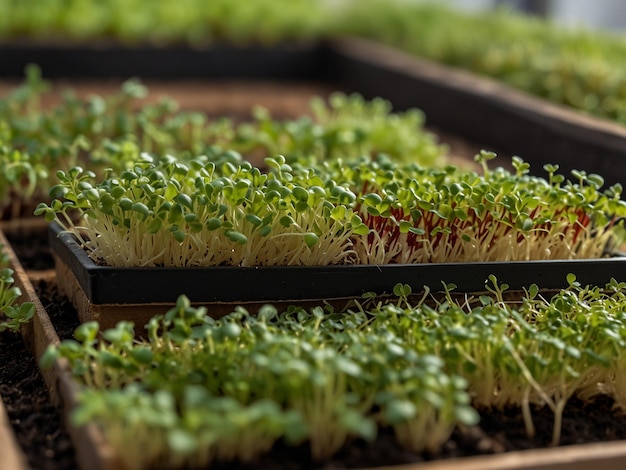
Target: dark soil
x=31, y=247
x=58, y=307
x=36, y=421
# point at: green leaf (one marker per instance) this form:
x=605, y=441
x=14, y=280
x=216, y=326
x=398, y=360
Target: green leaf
x=399, y=411
x=267, y=313
x=338, y=213
x=348, y=367
x=42, y=208
x=372, y=199
x=311, y=239
x=361, y=229
x=254, y=219
x=402, y=290
x=184, y=200
x=143, y=355
x=182, y=442
x=87, y=332
x=361, y=426
x=126, y=204
x=111, y=360
x=25, y=311
x=371, y=210
x=237, y=237
x=141, y=209
x=179, y=236
x=300, y=193
x=154, y=226
x=455, y=188
x=49, y=357
x=122, y=333
x=466, y=415
x=286, y=221
x=213, y=223
x=171, y=191
x=596, y=180
x=117, y=192
x=405, y=226
x=231, y=330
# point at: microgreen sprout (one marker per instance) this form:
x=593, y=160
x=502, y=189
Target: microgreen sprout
x=575, y=69
x=419, y=367
x=12, y=313
x=95, y=131
x=570, y=66
x=199, y=23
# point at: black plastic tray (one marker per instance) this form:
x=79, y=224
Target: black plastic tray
x=109, y=285
x=221, y=61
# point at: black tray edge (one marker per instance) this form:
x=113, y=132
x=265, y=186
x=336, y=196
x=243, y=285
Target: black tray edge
x=110, y=285
x=283, y=61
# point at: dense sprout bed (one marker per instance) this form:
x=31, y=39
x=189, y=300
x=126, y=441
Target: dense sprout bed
x=102, y=132
x=212, y=211
x=199, y=390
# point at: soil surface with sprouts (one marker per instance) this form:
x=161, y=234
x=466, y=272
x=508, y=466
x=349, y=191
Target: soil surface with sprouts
x=32, y=249
x=38, y=426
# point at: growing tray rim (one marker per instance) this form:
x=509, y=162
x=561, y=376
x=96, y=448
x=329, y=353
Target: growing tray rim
x=219, y=60
x=137, y=285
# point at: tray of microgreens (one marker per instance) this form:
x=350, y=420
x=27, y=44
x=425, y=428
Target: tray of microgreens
x=13, y=312
x=228, y=231
x=100, y=132
x=195, y=390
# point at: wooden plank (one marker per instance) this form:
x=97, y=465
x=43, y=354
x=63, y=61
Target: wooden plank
x=13, y=457
x=604, y=455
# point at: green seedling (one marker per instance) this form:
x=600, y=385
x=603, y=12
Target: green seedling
x=12, y=313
